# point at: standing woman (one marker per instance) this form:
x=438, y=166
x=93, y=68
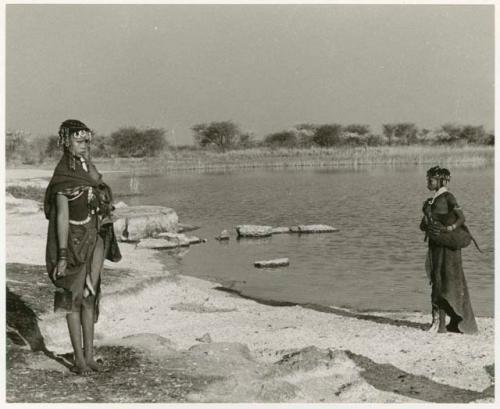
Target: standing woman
x=443, y=219
x=78, y=205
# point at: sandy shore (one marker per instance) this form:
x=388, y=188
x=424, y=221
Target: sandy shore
x=252, y=352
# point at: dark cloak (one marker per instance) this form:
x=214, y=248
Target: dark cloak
x=65, y=177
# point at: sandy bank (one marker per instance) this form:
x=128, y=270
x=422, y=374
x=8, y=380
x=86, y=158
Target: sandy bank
x=168, y=318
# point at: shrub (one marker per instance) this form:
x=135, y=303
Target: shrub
x=284, y=139
x=223, y=135
x=327, y=135
x=133, y=142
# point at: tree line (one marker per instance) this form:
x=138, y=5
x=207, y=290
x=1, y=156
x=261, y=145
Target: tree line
x=227, y=135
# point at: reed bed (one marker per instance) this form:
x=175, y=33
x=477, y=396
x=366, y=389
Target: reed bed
x=199, y=160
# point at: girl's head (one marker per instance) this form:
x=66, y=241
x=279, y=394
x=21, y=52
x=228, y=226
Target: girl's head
x=437, y=177
x=75, y=137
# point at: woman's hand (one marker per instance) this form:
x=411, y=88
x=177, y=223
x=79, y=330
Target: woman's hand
x=61, y=268
x=437, y=228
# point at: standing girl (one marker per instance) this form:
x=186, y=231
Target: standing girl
x=443, y=223
x=78, y=205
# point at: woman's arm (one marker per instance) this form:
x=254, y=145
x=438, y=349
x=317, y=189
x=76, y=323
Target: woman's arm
x=460, y=218
x=62, y=220
x=452, y=203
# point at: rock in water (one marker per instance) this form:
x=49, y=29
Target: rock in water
x=280, y=230
x=224, y=235
x=250, y=230
x=157, y=244
x=313, y=228
x=133, y=223
x=277, y=262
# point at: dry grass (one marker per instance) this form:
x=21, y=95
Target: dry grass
x=203, y=160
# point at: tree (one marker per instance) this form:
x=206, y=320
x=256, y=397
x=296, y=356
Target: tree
x=357, y=129
x=403, y=133
x=284, y=139
x=328, y=135
x=224, y=135
x=51, y=147
x=305, y=134
x=473, y=134
x=132, y=142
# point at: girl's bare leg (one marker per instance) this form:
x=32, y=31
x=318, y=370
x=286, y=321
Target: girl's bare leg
x=88, y=308
x=75, y=334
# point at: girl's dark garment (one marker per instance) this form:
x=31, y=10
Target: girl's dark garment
x=89, y=203
x=449, y=288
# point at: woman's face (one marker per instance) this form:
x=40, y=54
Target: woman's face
x=432, y=183
x=79, y=146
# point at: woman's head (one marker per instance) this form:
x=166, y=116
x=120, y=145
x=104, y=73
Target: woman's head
x=75, y=137
x=437, y=177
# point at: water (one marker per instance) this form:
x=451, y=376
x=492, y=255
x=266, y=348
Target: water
x=375, y=261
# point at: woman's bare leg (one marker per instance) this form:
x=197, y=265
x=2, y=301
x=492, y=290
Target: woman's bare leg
x=75, y=335
x=88, y=306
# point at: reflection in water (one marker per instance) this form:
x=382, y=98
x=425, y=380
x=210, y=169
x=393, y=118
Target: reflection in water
x=375, y=261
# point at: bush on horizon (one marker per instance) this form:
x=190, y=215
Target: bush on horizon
x=137, y=143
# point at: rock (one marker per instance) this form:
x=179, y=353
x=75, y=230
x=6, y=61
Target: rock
x=206, y=338
x=196, y=240
x=280, y=230
x=157, y=244
x=120, y=205
x=277, y=262
x=224, y=235
x=249, y=230
x=313, y=228
x=133, y=223
x=22, y=206
x=184, y=228
x=180, y=238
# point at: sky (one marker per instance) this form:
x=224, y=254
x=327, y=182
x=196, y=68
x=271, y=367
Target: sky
x=265, y=67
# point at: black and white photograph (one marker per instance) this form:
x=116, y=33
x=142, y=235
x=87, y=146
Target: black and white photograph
x=249, y=203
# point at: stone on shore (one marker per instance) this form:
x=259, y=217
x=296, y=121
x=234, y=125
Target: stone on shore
x=250, y=230
x=313, y=228
x=134, y=223
x=277, y=262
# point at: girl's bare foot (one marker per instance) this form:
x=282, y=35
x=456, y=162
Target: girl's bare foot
x=92, y=364
x=81, y=368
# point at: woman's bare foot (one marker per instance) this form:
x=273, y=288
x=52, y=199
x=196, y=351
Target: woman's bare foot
x=81, y=368
x=92, y=364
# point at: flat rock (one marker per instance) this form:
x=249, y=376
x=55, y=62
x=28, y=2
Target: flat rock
x=224, y=235
x=133, y=223
x=280, y=230
x=157, y=244
x=180, y=238
x=277, y=262
x=184, y=227
x=250, y=230
x=313, y=228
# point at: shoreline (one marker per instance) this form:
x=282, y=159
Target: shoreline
x=199, y=160
x=166, y=319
